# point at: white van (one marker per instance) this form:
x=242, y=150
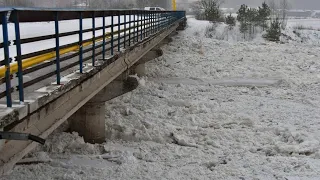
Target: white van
x=154, y=9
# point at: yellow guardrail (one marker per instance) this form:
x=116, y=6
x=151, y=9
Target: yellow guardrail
x=47, y=56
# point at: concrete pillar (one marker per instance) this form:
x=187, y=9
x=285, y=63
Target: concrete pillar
x=167, y=40
x=151, y=55
x=182, y=25
x=140, y=70
x=89, y=120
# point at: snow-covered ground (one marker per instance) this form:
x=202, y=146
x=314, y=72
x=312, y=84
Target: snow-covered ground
x=309, y=22
x=208, y=109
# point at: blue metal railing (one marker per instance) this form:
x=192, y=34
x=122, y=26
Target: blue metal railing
x=119, y=29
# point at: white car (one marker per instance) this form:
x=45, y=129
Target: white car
x=154, y=9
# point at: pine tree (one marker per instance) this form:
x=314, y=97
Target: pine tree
x=264, y=12
x=252, y=18
x=231, y=21
x=211, y=10
x=243, y=19
x=274, y=32
x=242, y=13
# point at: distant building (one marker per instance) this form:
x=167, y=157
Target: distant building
x=298, y=13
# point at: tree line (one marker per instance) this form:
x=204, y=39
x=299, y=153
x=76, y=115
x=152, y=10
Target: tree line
x=270, y=17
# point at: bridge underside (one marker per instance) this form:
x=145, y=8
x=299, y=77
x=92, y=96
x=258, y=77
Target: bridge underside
x=53, y=105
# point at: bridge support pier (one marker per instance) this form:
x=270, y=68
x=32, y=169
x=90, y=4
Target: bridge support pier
x=89, y=120
x=140, y=68
x=182, y=25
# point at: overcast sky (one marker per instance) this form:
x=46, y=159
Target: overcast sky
x=296, y=4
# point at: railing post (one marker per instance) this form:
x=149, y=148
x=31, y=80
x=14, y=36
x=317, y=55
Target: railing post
x=153, y=22
x=149, y=24
x=93, y=38
x=141, y=29
x=134, y=28
x=130, y=14
x=104, y=36
x=156, y=22
x=144, y=26
x=166, y=21
x=6, y=58
x=112, y=35
x=172, y=18
x=125, y=29
x=119, y=33
x=137, y=26
x=80, y=43
x=18, y=59
x=159, y=20
x=56, y=23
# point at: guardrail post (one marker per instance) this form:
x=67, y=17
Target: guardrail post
x=134, y=28
x=166, y=21
x=56, y=23
x=104, y=36
x=93, y=38
x=80, y=43
x=149, y=24
x=112, y=35
x=119, y=32
x=130, y=28
x=159, y=20
x=6, y=58
x=125, y=29
x=137, y=26
x=162, y=20
x=151, y=15
x=144, y=26
x=154, y=22
x=18, y=58
x=141, y=29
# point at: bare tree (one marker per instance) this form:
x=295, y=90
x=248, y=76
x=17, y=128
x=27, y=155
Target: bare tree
x=284, y=6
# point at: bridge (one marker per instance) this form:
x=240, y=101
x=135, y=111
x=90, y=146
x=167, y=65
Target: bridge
x=62, y=66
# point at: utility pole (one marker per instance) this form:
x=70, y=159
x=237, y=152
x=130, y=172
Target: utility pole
x=174, y=5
